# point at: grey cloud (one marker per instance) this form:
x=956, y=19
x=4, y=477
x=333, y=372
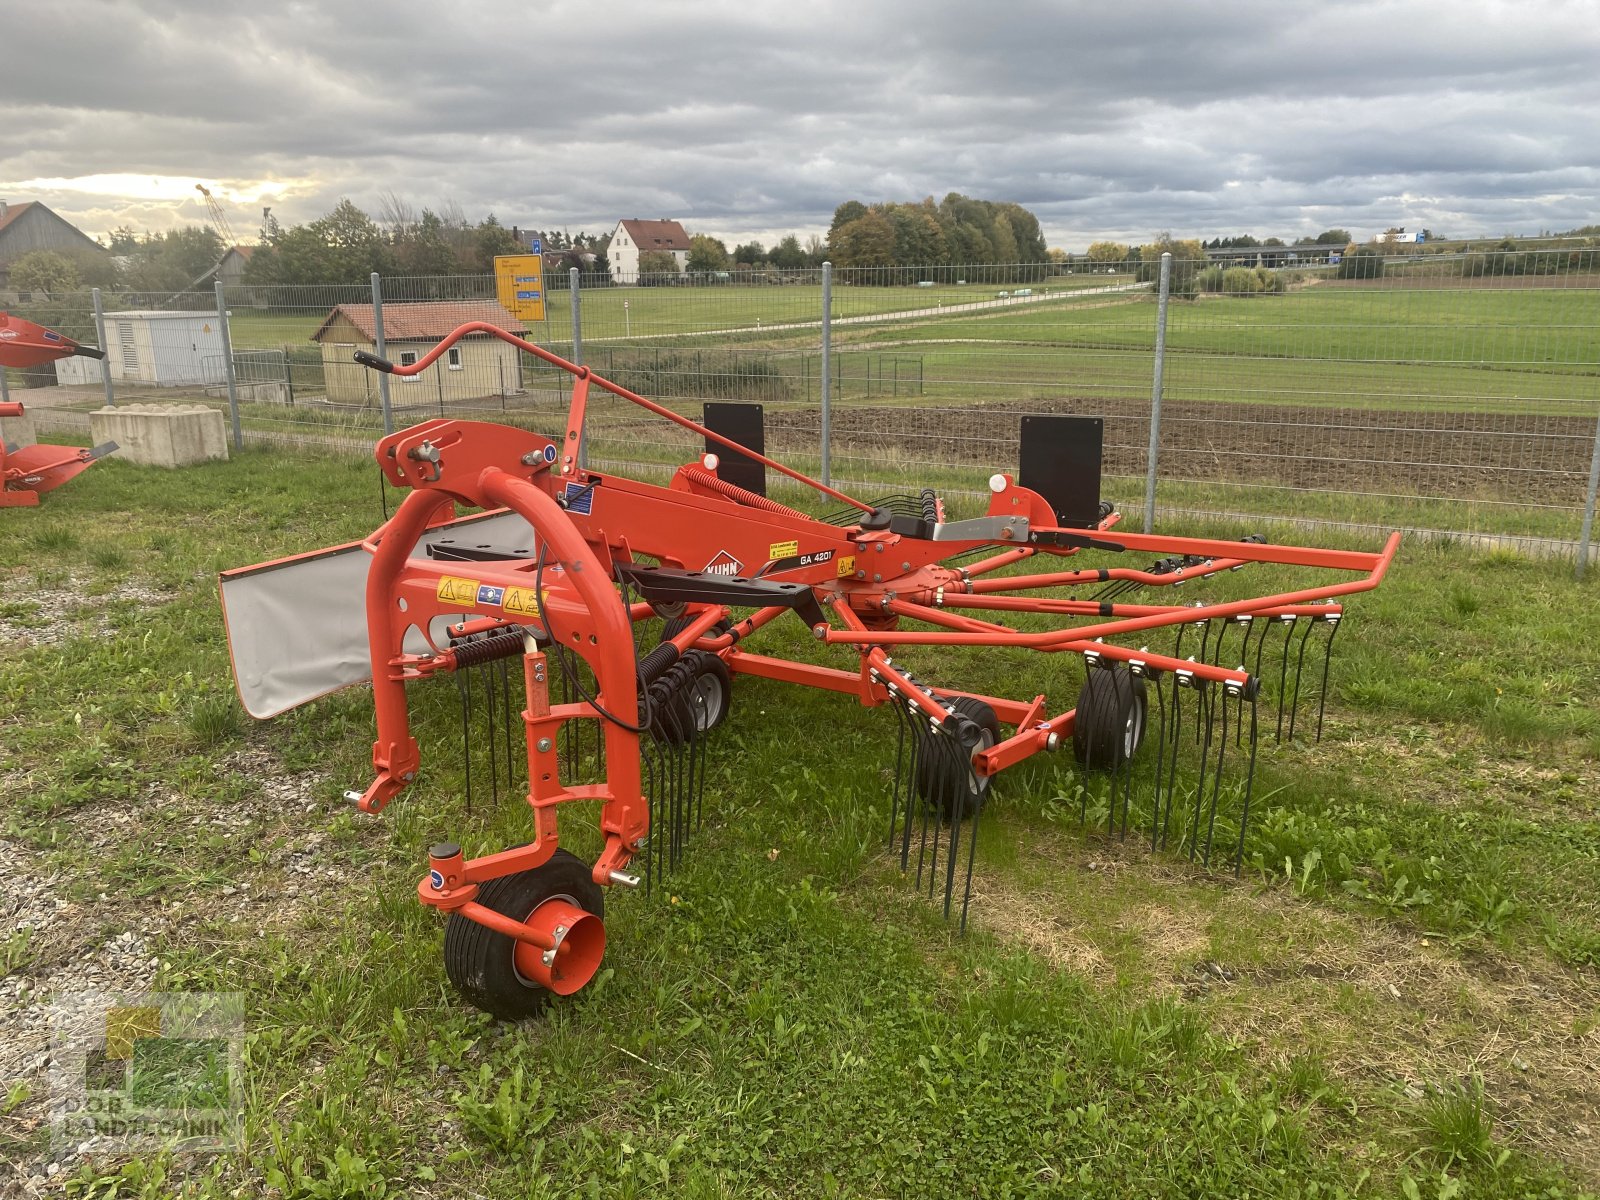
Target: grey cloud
x=1266, y=116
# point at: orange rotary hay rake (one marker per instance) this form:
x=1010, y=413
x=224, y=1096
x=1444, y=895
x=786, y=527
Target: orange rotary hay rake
x=567, y=568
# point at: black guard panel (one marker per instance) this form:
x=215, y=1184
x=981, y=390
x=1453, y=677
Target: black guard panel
x=745, y=424
x=1059, y=458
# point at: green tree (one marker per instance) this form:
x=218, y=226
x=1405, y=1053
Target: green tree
x=46, y=272
x=1188, y=260
x=172, y=261
x=707, y=254
x=1333, y=237
x=866, y=242
x=1361, y=262
x=787, y=255
x=1108, y=254
x=490, y=240
x=655, y=266
x=425, y=248
x=750, y=254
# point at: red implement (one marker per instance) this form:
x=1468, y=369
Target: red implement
x=544, y=609
x=24, y=344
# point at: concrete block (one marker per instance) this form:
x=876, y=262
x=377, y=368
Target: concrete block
x=162, y=435
x=269, y=392
x=18, y=431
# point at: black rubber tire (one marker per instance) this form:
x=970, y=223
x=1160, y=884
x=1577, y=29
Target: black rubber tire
x=478, y=960
x=713, y=697
x=673, y=626
x=944, y=777
x=1111, y=718
x=705, y=704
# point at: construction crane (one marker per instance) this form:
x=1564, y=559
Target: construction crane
x=218, y=221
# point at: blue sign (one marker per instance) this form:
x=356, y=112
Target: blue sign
x=527, y=295
x=535, y=246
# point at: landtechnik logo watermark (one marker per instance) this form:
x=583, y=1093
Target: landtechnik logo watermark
x=138, y=1073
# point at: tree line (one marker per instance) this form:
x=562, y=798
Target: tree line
x=900, y=239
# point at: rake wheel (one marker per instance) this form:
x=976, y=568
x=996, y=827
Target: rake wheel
x=480, y=962
x=945, y=779
x=1110, y=720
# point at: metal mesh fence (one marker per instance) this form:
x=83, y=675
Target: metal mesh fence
x=1457, y=393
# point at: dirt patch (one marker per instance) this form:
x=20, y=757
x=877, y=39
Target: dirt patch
x=1389, y=1012
x=1509, y=455
x=63, y=944
x=35, y=614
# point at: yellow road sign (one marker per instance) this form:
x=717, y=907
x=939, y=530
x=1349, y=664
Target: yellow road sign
x=519, y=284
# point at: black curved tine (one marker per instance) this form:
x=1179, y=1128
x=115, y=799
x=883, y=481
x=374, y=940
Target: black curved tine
x=1283, y=674
x=900, y=787
x=1161, y=756
x=1204, y=705
x=510, y=721
x=1216, y=782
x=491, y=725
x=1244, y=656
x=1327, y=658
x=1299, y=670
x=919, y=770
x=464, y=702
x=950, y=857
x=972, y=851
x=1172, y=763
x=1249, y=786
x=1122, y=774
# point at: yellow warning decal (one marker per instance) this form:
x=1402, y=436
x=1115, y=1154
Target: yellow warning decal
x=521, y=601
x=845, y=566
x=453, y=590
x=783, y=549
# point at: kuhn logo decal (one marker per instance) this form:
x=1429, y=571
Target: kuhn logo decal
x=723, y=564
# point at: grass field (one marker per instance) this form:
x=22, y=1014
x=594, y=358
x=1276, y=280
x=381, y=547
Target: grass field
x=1400, y=996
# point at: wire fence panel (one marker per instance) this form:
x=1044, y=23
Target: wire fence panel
x=1382, y=388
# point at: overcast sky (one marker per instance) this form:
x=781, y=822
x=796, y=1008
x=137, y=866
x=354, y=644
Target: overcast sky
x=754, y=118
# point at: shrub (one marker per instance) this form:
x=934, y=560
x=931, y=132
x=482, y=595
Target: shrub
x=1364, y=262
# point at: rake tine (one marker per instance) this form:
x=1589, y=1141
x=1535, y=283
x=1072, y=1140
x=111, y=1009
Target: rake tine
x=511, y=715
x=464, y=701
x=972, y=851
x=1123, y=775
x=950, y=857
x=1327, y=658
x=490, y=724
x=1216, y=782
x=1161, y=755
x=1244, y=656
x=1249, y=785
x=918, y=771
x=1283, y=674
x=1203, y=708
x=900, y=784
x=1172, y=762
x=1299, y=670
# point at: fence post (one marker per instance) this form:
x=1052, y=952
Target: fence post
x=227, y=366
x=577, y=357
x=1155, y=391
x=377, y=335
x=1588, y=509
x=105, y=363
x=827, y=367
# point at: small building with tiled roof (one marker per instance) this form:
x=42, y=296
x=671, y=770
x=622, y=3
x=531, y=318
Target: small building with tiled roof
x=630, y=239
x=31, y=226
x=477, y=367
x=230, y=267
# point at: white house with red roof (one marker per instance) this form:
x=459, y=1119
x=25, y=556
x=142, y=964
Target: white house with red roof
x=630, y=239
